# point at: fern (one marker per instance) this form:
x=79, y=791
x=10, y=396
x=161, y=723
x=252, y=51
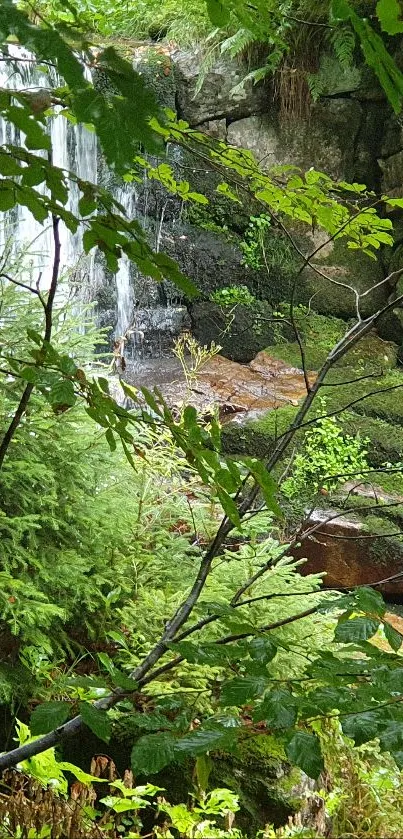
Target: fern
x=343, y=43
x=238, y=42
x=316, y=85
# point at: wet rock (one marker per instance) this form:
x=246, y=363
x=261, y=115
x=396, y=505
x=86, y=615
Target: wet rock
x=216, y=98
x=351, y=553
x=247, y=390
x=153, y=330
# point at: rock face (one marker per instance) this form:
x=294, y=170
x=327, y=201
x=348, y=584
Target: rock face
x=241, y=333
x=327, y=142
x=216, y=98
x=350, y=554
x=264, y=384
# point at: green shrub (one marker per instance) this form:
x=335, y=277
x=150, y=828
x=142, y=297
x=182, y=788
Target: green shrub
x=327, y=452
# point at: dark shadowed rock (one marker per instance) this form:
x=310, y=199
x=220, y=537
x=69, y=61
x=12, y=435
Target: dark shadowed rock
x=216, y=98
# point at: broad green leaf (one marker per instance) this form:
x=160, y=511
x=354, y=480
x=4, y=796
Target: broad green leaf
x=356, y=629
x=122, y=805
x=361, y=727
x=218, y=12
x=152, y=752
x=369, y=600
x=229, y=507
x=303, y=750
x=390, y=16
x=110, y=439
x=391, y=738
x=97, y=720
x=151, y=722
x=392, y=636
x=208, y=653
x=262, y=649
x=8, y=197
x=48, y=716
x=81, y=776
x=203, y=769
x=266, y=483
x=240, y=690
x=278, y=709
x=30, y=374
x=203, y=740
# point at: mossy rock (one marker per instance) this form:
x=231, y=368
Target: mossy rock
x=348, y=267
x=242, y=331
x=371, y=354
x=385, y=441
x=268, y=788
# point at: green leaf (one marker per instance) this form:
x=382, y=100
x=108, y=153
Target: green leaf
x=303, y=750
x=203, y=769
x=151, y=722
x=356, y=629
x=203, y=740
x=369, y=600
x=393, y=637
x=391, y=739
x=152, y=752
x=229, y=507
x=218, y=12
x=240, y=690
x=7, y=197
x=262, y=649
x=124, y=805
x=390, y=16
x=266, y=483
x=30, y=374
x=48, y=716
x=208, y=653
x=97, y=720
x=81, y=776
x=361, y=727
x=278, y=708
x=110, y=439
x=34, y=336
x=62, y=393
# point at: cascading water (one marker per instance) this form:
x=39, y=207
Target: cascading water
x=135, y=306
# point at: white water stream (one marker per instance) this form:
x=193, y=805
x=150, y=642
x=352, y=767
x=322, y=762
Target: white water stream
x=74, y=148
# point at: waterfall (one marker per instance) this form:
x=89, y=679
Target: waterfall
x=133, y=301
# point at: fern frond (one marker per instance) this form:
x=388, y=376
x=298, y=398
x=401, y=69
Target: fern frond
x=254, y=75
x=237, y=42
x=208, y=60
x=343, y=43
x=316, y=85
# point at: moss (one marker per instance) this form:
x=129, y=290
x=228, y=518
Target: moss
x=320, y=333
x=264, y=780
x=350, y=267
x=385, y=443
x=378, y=397
x=257, y=437
x=291, y=354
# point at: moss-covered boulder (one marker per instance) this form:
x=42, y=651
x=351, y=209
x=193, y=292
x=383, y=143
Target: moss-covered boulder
x=242, y=331
x=349, y=271
x=269, y=789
